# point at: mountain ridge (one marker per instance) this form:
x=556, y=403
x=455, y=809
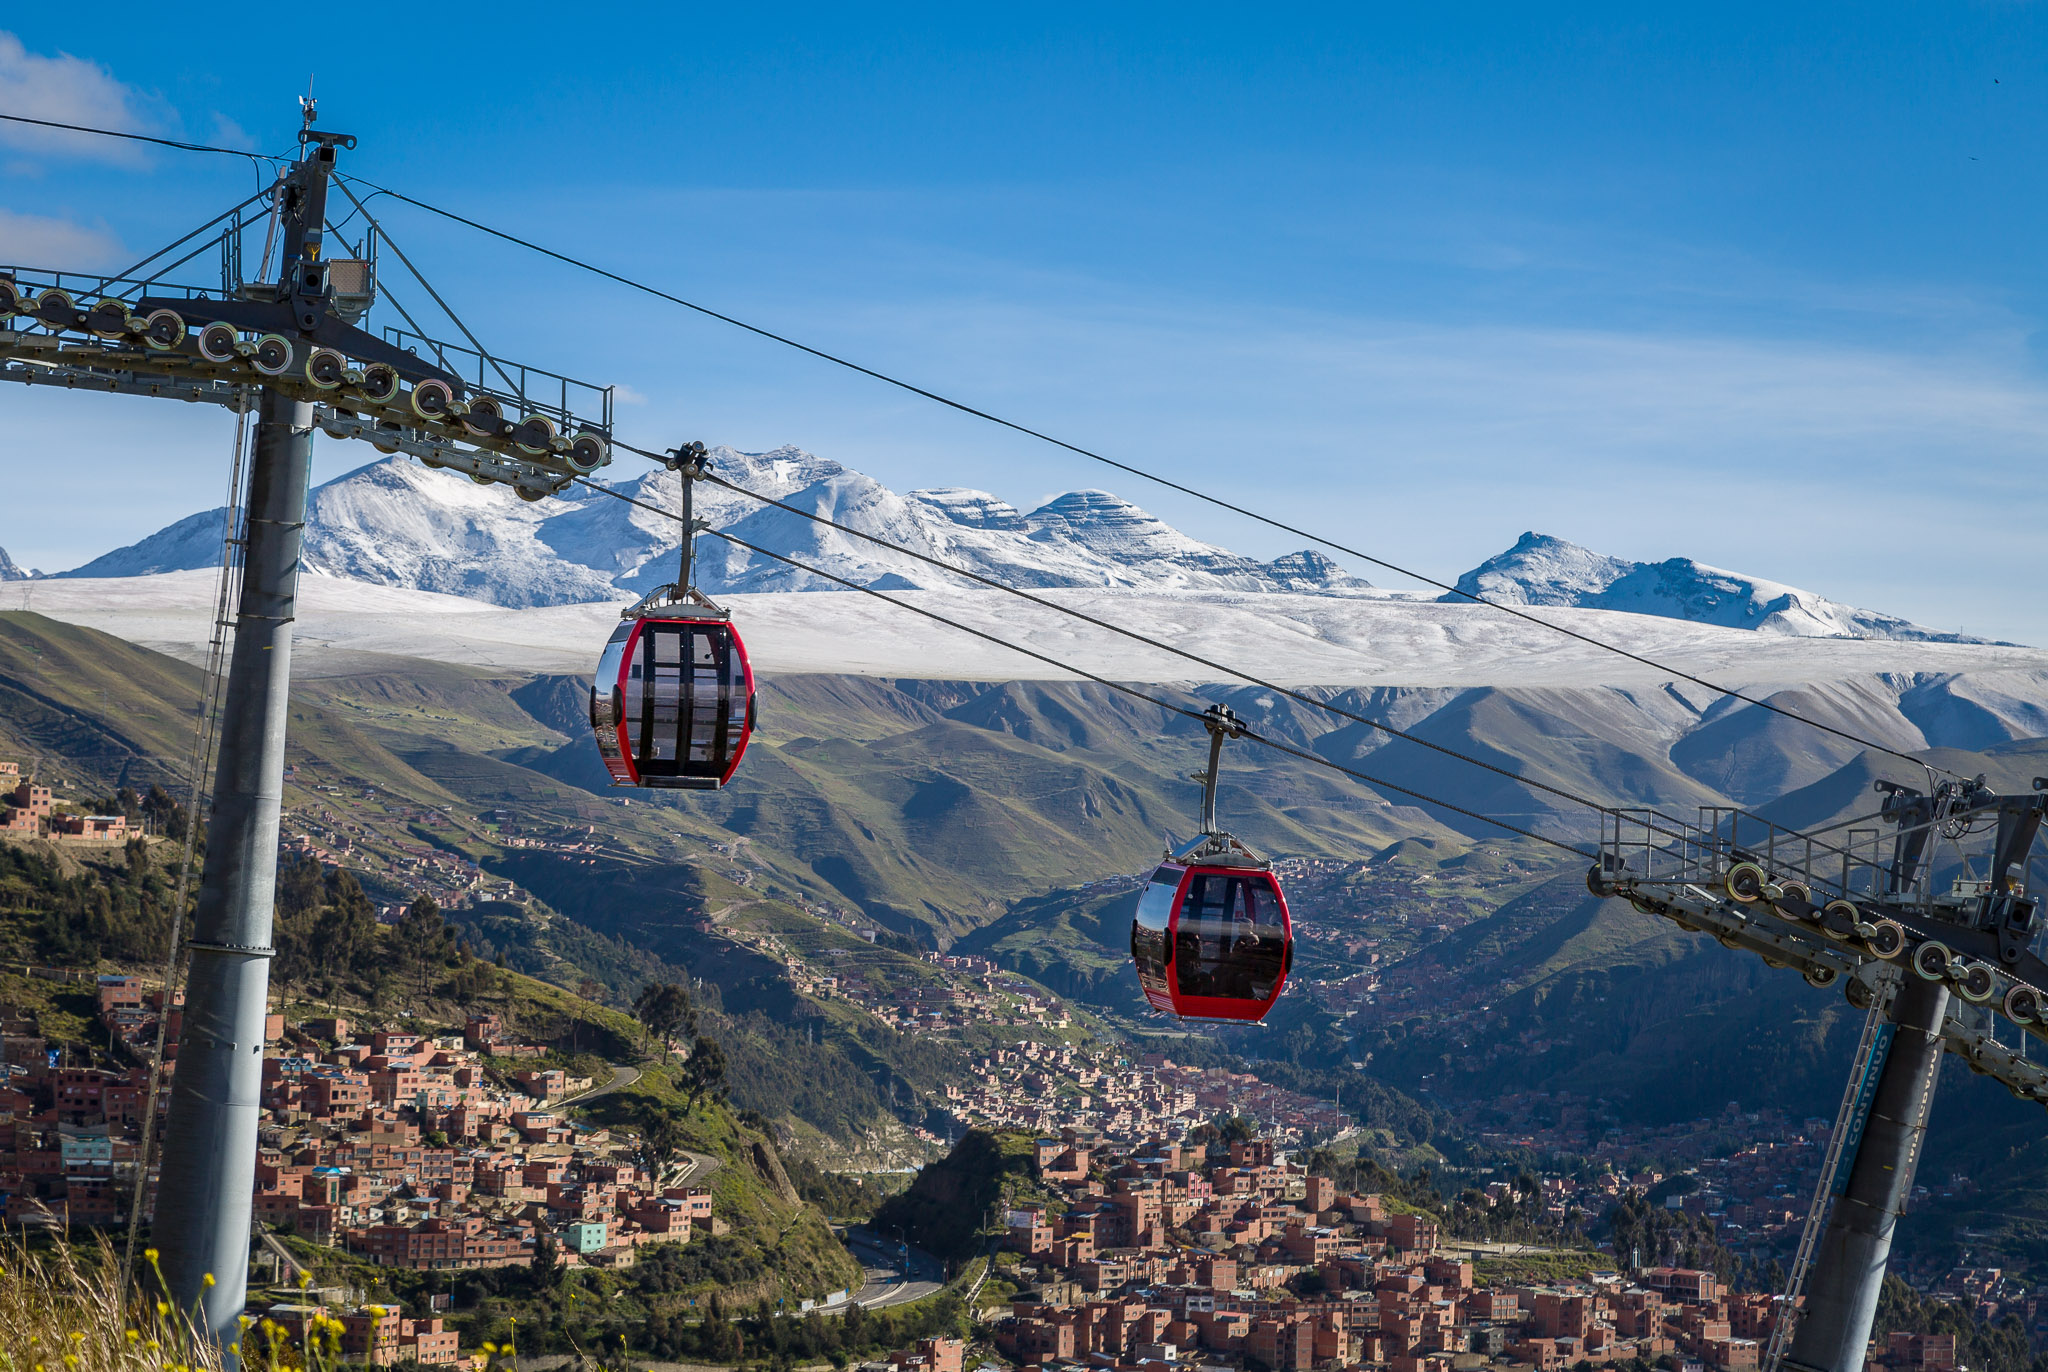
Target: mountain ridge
x=1543, y=570
x=396, y=523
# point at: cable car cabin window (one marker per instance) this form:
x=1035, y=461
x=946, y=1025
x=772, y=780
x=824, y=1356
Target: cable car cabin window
x=1148, y=934
x=673, y=703
x=685, y=700
x=605, y=701
x=1230, y=941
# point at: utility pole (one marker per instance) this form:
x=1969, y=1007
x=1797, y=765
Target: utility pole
x=205, y=1197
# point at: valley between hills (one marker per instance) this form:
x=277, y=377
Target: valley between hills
x=921, y=872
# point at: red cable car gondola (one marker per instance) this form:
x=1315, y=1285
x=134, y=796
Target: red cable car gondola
x=1211, y=937
x=672, y=704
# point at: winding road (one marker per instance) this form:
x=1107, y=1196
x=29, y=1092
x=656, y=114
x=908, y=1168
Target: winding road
x=621, y=1077
x=896, y=1274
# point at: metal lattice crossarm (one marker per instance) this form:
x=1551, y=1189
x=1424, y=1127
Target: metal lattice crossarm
x=191, y=346
x=1828, y=907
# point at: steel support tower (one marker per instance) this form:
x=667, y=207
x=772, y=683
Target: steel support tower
x=1848, y=1272
x=294, y=343
x=205, y=1196
x=1860, y=909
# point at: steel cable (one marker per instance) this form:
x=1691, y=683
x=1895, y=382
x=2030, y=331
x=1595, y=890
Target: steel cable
x=1124, y=687
x=1043, y=437
x=1218, y=501
x=140, y=138
x=1150, y=642
x=1329, y=707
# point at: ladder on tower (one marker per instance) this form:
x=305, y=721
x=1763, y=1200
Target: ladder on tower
x=1841, y=1151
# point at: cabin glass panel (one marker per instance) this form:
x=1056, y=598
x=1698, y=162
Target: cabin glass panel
x=605, y=701
x=684, y=700
x=1230, y=941
x=1149, y=934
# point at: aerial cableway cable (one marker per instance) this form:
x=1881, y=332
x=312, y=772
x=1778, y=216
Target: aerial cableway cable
x=1329, y=707
x=963, y=407
x=1124, y=687
x=1137, y=637
x=141, y=138
x=428, y=286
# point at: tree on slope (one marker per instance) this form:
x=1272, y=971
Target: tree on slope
x=664, y=1010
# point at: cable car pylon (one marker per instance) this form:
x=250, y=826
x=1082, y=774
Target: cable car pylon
x=1857, y=910
x=1211, y=937
x=295, y=341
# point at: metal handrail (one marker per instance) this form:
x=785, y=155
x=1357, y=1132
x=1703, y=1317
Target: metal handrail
x=470, y=364
x=1654, y=846
x=86, y=287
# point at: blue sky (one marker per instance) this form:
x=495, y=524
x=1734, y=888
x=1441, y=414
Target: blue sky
x=1756, y=287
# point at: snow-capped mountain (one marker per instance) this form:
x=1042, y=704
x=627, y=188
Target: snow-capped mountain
x=11, y=571
x=1541, y=570
x=396, y=523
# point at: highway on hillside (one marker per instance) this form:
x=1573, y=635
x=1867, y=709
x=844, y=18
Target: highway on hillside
x=895, y=1274
x=695, y=1171
x=694, y=1168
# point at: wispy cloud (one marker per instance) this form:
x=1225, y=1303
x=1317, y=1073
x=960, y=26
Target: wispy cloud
x=229, y=134
x=39, y=240
x=70, y=90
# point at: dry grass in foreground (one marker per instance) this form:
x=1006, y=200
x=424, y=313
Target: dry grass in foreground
x=66, y=1310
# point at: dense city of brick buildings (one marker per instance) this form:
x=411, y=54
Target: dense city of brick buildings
x=405, y=1150
x=1159, y=1254
x=1044, y=1087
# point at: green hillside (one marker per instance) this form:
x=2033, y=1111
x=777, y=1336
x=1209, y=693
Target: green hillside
x=952, y=1200
x=971, y=815
x=1591, y=997
x=1074, y=942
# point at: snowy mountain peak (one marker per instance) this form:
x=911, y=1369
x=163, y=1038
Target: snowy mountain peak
x=1542, y=570
x=10, y=571
x=396, y=523
x=1309, y=571
x=975, y=509
x=1092, y=508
